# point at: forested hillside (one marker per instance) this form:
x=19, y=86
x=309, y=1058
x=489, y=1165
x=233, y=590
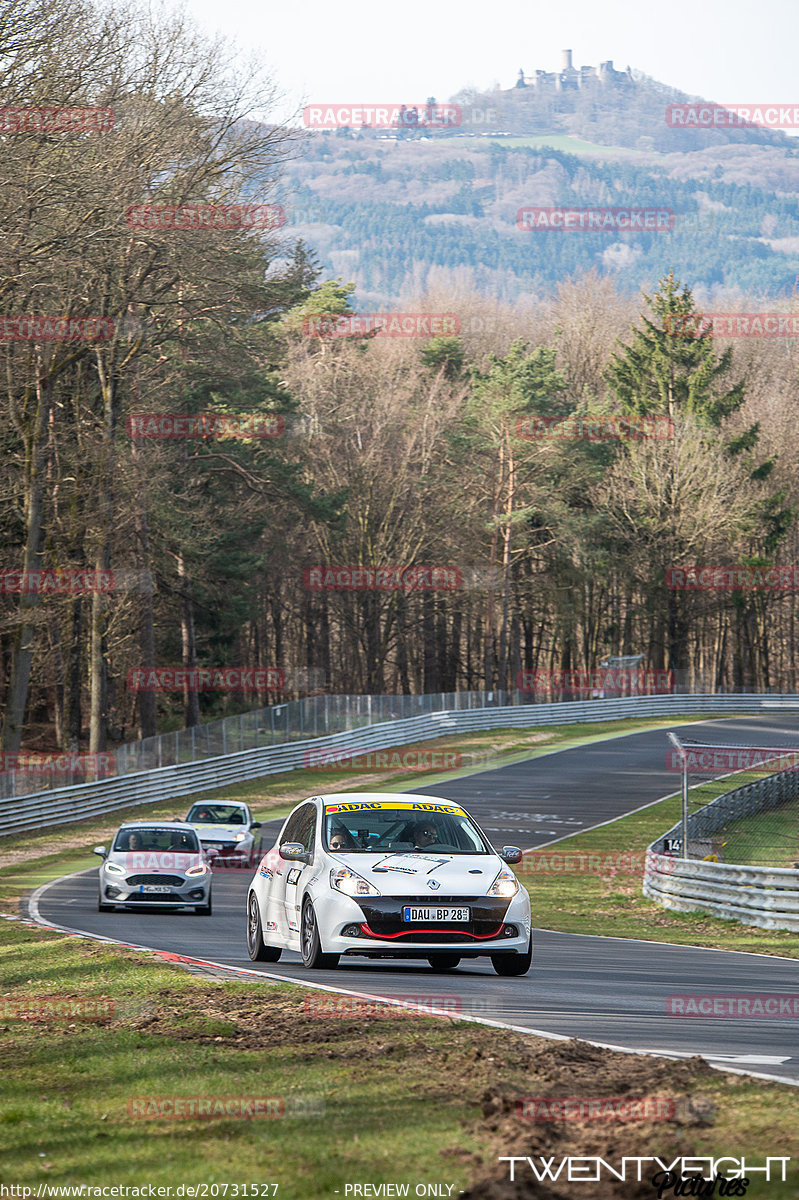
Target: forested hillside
x=394, y=215
x=182, y=458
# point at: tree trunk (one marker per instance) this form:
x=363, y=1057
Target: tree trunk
x=191, y=698
x=146, y=701
x=22, y=642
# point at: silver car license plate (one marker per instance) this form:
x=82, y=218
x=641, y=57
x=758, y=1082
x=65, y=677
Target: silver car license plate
x=159, y=888
x=435, y=914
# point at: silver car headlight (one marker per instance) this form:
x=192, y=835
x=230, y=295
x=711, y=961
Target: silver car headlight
x=351, y=884
x=506, y=884
x=114, y=868
x=201, y=869
x=240, y=837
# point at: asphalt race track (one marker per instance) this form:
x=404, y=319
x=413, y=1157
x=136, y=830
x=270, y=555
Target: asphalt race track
x=610, y=990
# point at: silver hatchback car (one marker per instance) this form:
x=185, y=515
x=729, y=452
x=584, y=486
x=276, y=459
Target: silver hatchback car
x=154, y=863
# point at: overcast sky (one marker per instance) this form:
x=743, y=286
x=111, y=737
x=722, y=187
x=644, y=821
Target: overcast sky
x=326, y=51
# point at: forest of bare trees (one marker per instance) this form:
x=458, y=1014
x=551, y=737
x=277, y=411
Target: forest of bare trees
x=392, y=518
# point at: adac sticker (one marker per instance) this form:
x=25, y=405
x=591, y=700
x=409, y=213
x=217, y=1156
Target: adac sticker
x=405, y=805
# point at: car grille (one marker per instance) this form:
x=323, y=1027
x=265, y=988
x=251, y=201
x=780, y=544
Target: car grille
x=384, y=919
x=148, y=898
x=166, y=880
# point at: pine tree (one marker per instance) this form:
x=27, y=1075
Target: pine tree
x=671, y=368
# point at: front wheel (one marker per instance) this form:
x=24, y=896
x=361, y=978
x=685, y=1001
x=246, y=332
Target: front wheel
x=513, y=964
x=101, y=907
x=256, y=949
x=310, y=944
x=204, y=910
x=443, y=962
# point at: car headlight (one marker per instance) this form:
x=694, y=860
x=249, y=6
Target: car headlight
x=351, y=884
x=240, y=837
x=505, y=884
x=114, y=868
x=202, y=869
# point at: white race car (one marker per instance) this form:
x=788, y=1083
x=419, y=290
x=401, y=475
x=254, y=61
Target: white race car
x=226, y=830
x=384, y=876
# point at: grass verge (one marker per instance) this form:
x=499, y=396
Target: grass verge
x=357, y=1096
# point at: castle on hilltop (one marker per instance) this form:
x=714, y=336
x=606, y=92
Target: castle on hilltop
x=569, y=78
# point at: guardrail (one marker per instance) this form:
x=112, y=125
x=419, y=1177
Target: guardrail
x=764, y=896
x=81, y=801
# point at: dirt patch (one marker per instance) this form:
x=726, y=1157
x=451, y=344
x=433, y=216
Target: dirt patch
x=495, y=1072
x=579, y=1072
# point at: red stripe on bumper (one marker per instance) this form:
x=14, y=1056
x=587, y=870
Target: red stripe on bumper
x=480, y=937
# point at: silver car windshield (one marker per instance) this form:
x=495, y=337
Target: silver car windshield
x=216, y=814
x=362, y=830
x=183, y=841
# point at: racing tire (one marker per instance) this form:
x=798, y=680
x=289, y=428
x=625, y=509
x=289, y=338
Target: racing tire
x=204, y=910
x=310, y=944
x=443, y=962
x=513, y=964
x=101, y=907
x=256, y=949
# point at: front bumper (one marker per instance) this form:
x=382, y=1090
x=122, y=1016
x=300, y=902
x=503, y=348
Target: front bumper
x=374, y=925
x=193, y=891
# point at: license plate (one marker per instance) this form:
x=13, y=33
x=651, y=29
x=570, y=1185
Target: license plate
x=435, y=914
x=160, y=888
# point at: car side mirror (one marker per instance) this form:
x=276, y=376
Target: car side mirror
x=255, y=825
x=511, y=854
x=294, y=852
x=100, y=850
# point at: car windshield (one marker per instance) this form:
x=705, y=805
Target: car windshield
x=216, y=814
x=377, y=826
x=134, y=837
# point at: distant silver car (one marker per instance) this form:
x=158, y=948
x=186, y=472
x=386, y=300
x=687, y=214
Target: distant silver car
x=227, y=829
x=154, y=863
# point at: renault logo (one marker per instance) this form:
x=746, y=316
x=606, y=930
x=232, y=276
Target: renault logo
x=433, y=884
